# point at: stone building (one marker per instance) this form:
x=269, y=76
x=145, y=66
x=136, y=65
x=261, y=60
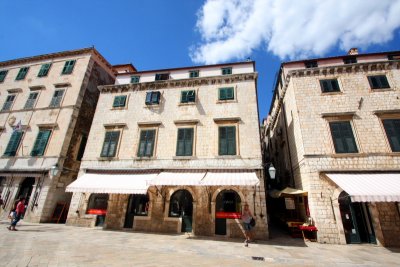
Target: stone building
x=47, y=105
x=174, y=150
x=334, y=131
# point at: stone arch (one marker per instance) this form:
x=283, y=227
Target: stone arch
x=336, y=210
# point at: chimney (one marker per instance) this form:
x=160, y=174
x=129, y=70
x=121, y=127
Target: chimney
x=353, y=51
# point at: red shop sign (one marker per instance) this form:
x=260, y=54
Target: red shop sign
x=97, y=212
x=227, y=215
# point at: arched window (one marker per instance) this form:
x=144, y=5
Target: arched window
x=228, y=201
x=97, y=204
x=181, y=204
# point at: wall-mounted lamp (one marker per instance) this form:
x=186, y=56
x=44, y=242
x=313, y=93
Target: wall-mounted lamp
x=272, y=171
x=54, y=169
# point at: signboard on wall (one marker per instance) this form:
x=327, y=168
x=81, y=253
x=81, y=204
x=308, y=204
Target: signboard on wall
x=289, y=203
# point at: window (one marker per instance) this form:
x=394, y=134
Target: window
x=9, y=101
x=227, y=140
x=41, y=142
x=68, y=67
x=31, y=100
x=110, y=144
x=226, y=93
x=184, y=145
x=153, y=98
x=57, y=97
x=162, y=76
x=329, y=86
x=13, y=144
x=392, y=128
x=343, y=138
x=3, y=74
x=135, y=79
x=193, y=74
x=44, y=70
x=350, y=60
x=188, y=96
x=181, y=204
x=378, y=82
x=22, y=73
x=119, y=101
x=226, y=71
x=146, y=143
x=97, y=202
x=81, y=147
x=311, y=64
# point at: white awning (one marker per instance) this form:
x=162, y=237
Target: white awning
x=178, y=178
x=112, y=183
x=287, y=191
x=230, y=178
x=369, y=187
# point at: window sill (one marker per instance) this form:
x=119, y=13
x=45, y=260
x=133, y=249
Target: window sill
x=152, y=106
x=345, y=155
x=184, y=157
x=144, y=158
x=332, y=93
x=187, y=104
x=228, y=157
x=107, y=158
x=381, y=90
x=118, y=108
x=226, y=101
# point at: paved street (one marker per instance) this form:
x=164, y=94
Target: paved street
x=60, y=245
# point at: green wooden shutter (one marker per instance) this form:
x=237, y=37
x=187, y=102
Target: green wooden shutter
x=114, y=137
x=41, y=143
x=106, y=144
x=142, y=144
x=184, y=97
x=22, y=73
x=188, y=142
x=335, y=85
x=223, y=142
x=180, y=145
x=3, y=75
x=13, y=144
x=222, y=93
x=148, y=98
x=68, y=67
x=119, y=101
x=231, y=140
x=44, y=70
x=383, y=81
x=229, y=93
x=150, y=135
x=343, y=137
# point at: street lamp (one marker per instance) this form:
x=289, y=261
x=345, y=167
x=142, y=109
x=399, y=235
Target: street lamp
x=272, y=171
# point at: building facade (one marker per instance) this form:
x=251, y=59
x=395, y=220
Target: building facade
x=47, y=105
x=174, y=150
x=334, y=131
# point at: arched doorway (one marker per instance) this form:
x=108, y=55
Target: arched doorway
x=228, y=203
x=356, y=220
x=181, y=205
x=138, y=205
x=98, y=206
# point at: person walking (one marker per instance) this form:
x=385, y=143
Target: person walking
x=246, y=218
x=19, y=211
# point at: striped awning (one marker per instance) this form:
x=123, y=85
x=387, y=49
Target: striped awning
x=178, y=178
x=112, y=183
x=245, y=178
x=369, y=187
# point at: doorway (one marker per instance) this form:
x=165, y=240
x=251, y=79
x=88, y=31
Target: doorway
x=356, y=220
x=138, y=205
x=25, y=190
x=98, y=206
x=181, y=205
x=227, y=202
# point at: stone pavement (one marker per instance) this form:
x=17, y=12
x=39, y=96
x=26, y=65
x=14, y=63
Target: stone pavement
x=60, y=245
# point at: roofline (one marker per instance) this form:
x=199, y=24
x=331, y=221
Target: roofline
x=55, y=55
x=190, y=67
x=343, y=56
x=123, y=65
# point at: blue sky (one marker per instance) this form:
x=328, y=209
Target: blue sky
x=156, y=34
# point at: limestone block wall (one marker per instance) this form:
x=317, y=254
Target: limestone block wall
x=387, y=222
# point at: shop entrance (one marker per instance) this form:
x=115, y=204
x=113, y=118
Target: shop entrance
x=25, y=189
x=227, y=206
x=138, y=205
x=98, y=206
x=356, y=220
x=181, y=205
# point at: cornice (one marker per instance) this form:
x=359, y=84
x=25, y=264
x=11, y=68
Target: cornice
x=192, y=82
x=346, y=69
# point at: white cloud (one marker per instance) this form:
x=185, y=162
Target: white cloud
x=232, y=29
